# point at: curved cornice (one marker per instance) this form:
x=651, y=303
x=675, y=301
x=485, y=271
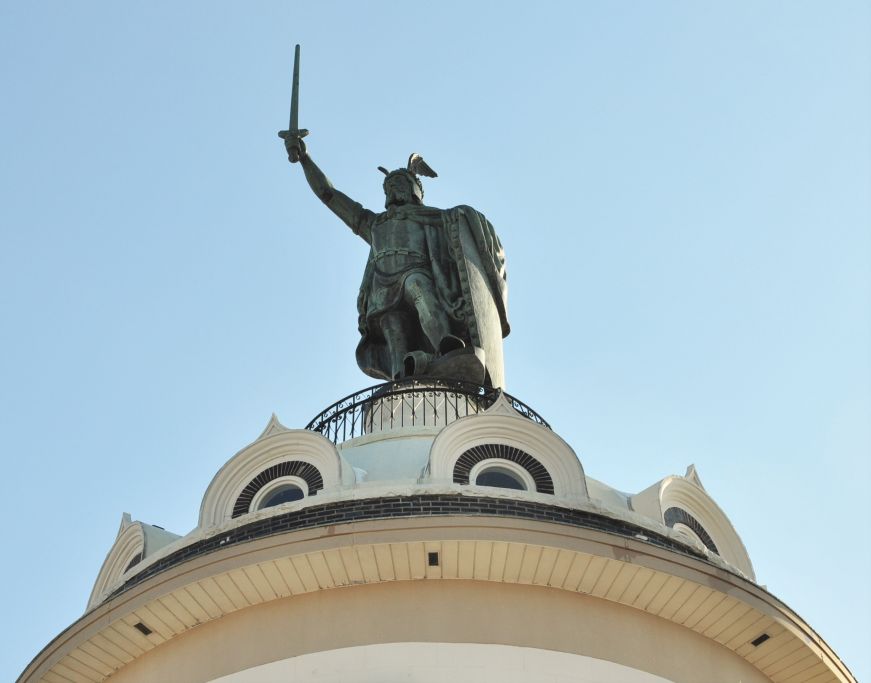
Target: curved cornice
x=685, y=590
x=387, y=507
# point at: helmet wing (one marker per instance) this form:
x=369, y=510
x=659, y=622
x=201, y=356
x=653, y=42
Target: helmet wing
x=418, y=166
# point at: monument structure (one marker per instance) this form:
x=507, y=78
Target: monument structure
x=432, y=527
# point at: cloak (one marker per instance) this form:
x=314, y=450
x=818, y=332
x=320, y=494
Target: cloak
x=467, y=264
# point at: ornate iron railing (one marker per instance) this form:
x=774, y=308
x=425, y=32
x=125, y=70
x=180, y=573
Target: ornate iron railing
x=409, y=403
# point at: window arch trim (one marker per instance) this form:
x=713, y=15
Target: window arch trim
x=675, y=515
x=310, y=474
x=498, y=451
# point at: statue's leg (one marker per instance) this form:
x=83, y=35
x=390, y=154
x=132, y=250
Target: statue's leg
x=393, y=326
x=420, y=293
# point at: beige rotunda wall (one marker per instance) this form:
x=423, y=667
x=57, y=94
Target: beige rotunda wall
x=440, y=612
x=440, y=662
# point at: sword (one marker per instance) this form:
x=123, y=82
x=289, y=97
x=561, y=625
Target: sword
x=293, y=129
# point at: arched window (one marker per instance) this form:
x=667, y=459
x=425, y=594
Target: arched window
x=499, y=474
x=280, y=490
x=284, y=494
x=498, y=477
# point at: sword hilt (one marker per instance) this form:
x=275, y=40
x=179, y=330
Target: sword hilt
x=285, y=135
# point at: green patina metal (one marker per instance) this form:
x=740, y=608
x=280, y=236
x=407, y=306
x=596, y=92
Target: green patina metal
x=433, y=300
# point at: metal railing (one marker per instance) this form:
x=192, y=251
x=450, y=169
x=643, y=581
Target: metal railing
x=409, y=403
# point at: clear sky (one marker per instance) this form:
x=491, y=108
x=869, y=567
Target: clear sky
x=683, y=190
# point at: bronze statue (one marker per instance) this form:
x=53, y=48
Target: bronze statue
x=434, y=292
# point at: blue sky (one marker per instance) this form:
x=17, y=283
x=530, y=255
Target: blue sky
x=683, y=190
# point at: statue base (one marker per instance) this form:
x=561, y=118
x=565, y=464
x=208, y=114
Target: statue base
x=466, y=364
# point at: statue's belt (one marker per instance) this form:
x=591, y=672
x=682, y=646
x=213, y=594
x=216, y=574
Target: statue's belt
x=414, y=261
x=399, y=252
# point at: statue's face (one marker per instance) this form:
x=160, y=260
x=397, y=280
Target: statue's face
x=398, y=191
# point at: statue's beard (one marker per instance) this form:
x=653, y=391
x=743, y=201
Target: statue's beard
x=397, y=198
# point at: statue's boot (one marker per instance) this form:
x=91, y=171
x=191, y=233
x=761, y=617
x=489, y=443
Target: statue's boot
x=416, y=363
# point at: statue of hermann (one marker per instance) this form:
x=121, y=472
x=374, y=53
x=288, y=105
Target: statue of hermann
x=433, y=300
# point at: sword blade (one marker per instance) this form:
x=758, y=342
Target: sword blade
x=294, y=95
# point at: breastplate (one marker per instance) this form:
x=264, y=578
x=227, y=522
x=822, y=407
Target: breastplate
x=398, y=243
